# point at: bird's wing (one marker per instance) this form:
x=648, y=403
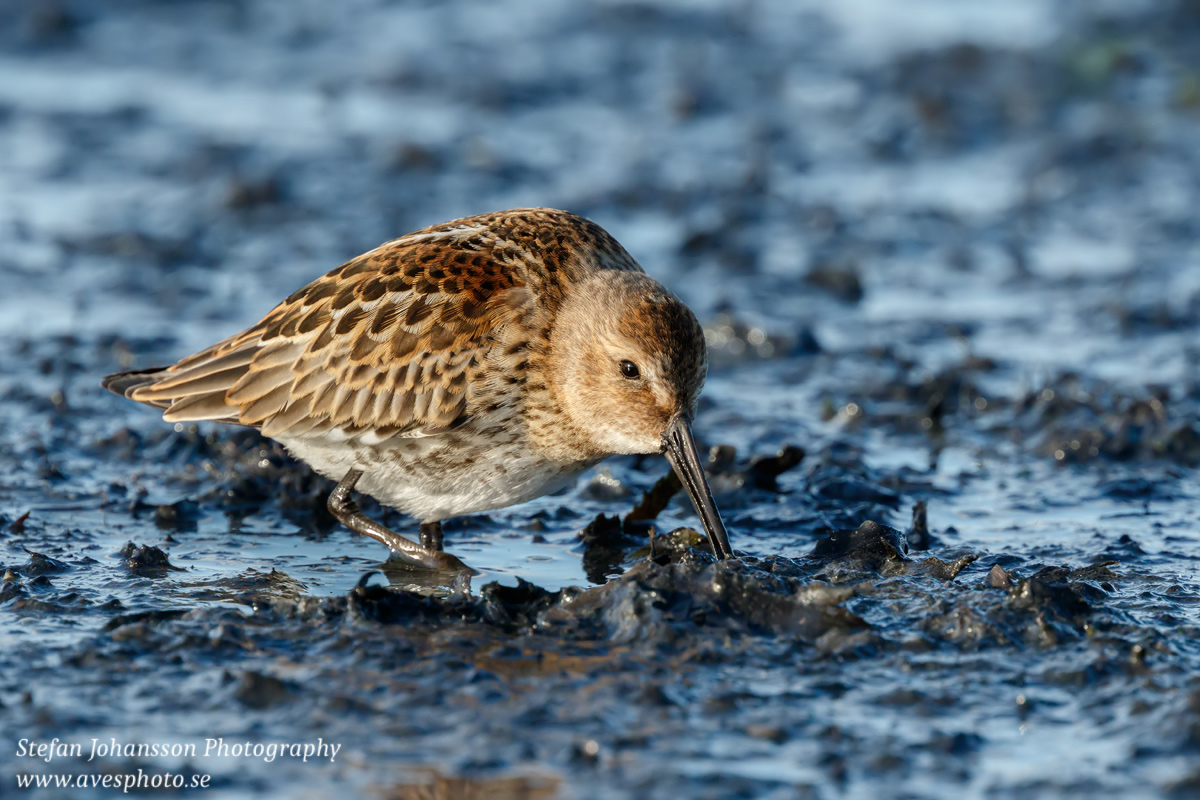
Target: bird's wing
x=387, y=344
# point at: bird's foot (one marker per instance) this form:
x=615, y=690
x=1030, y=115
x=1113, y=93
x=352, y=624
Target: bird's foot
x=420, y=558
x=427, y=555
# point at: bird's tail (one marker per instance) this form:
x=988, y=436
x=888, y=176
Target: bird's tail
x=126, y=383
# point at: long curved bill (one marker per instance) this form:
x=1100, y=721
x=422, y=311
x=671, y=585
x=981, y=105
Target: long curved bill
x=679, y=446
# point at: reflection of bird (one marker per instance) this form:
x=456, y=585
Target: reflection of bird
x=467, y=366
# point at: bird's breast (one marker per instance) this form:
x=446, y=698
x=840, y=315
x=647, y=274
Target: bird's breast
x=448, y=475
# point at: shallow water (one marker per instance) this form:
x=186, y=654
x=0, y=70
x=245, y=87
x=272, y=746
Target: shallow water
x=950, y=253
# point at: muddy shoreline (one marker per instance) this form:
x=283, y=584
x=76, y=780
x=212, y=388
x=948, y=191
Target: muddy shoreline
x=946, y=264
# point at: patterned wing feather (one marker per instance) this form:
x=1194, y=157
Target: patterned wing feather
x=389, y=343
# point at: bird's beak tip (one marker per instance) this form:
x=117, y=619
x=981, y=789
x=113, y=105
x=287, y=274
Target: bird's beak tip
x=679, y=446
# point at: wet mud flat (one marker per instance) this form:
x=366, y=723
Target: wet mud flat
x=947, y=268
x=857, y=661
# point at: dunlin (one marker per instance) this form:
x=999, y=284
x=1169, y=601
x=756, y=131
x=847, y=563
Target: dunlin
x=464, y=367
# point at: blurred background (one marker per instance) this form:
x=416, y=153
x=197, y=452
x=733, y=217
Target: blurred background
x=948, y=248
x=186, y=164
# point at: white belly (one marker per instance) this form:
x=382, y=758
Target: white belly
x=439, y=477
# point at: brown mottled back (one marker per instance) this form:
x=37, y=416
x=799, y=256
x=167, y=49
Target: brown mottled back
x=390, y=342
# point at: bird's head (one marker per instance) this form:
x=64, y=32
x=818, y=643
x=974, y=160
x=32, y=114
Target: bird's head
x=628, y=360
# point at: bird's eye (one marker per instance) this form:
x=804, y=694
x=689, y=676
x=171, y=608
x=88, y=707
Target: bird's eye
x=630, y=370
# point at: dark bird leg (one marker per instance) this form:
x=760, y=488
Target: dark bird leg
x=346, y=511
x=431, y=536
